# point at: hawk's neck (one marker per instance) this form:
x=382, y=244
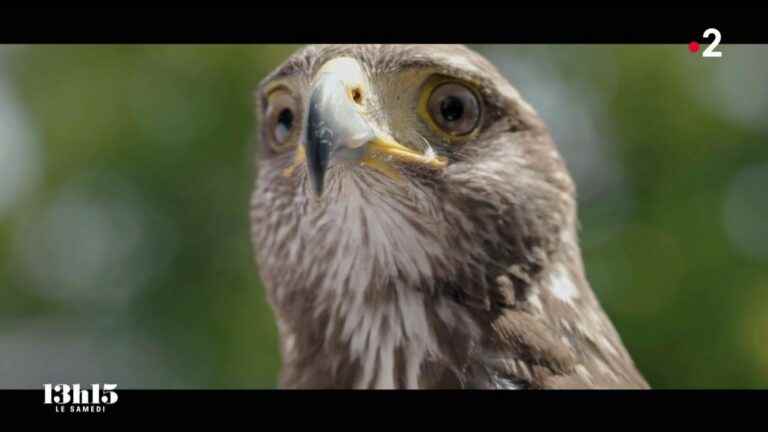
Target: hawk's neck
x=402, y=336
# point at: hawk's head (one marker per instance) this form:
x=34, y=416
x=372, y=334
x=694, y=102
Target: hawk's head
x=394, y=179
x=407, y=163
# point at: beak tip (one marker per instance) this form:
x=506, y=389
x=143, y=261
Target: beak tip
x=317, y=187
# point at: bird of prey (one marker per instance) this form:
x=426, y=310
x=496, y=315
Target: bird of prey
x=415, y=227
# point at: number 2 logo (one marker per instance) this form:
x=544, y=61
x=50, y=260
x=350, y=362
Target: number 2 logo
x=710, y=50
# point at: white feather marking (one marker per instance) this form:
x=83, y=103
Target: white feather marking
x=603, y=368
x=561, y=285
x=565, y=341
x=603, y=341
x=583, y=373
x=533, y=299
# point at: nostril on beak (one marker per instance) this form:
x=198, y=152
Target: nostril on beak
x=357, y=95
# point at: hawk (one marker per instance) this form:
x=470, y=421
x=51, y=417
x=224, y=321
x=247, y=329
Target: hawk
x=415, y=227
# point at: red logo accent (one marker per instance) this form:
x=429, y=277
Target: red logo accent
x=693, y=47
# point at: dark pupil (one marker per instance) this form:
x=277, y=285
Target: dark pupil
x=451, y=108
x=285, y=118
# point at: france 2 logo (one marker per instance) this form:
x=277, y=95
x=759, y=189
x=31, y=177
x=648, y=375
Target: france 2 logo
x=72, y=398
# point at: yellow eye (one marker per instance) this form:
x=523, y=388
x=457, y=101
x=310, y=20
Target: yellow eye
x=454, y=108
x=281, y=119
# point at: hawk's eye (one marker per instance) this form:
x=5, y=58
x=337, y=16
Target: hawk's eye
x=284, y=124
x=454, y=108
x=281, y=119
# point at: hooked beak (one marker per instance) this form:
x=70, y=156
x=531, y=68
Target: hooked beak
x=337, y=130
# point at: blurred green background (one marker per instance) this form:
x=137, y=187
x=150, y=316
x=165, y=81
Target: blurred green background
x=125, y=173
